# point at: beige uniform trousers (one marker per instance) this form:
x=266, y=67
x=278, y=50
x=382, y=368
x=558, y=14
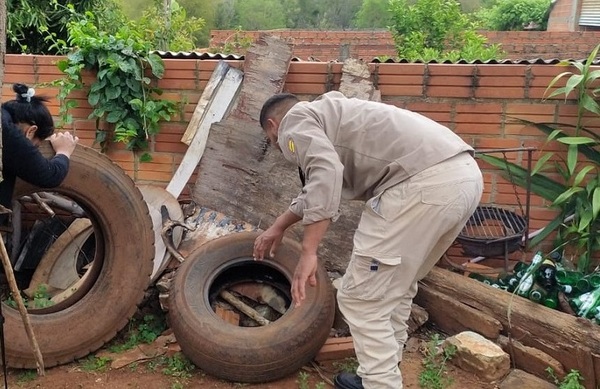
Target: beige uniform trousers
x=401, y=235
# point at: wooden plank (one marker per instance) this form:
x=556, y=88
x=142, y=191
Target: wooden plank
x=243, y=177
x=217, y=108
x=453, y=317
x=214, y=82
x=548, y=329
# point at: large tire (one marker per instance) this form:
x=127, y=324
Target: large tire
x=246, y=354
x=119, y=276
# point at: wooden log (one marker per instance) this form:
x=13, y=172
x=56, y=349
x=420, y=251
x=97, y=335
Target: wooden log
x=453, y=317
x=532, y=324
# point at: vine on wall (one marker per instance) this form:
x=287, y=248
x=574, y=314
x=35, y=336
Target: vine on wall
x=124, y=97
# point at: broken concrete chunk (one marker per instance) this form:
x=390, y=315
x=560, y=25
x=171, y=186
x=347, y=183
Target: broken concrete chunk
x=478, y=355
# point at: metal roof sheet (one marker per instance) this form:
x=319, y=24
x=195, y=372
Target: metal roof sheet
x=215, y=56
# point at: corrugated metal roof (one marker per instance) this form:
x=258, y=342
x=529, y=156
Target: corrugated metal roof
x=535, y=61
x=590, y=13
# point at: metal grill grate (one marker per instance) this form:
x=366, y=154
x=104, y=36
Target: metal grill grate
x=492, y=231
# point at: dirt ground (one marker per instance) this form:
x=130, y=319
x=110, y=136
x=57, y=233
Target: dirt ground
x=156, y=374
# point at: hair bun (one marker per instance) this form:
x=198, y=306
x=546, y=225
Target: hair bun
x=24, y=93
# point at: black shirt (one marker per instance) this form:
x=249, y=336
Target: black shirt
x=22, y=159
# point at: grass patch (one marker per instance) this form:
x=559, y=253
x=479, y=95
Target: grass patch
x=302, y=381
x=174, y=366
x=27, y=376
x=434, y=374
x=94, y=363
x=139, y=331
x=348, y=365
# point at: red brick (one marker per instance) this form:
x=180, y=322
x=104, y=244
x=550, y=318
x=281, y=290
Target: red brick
x=336, y=348
x=446, y=91
x=401, y=90
x=499, y=93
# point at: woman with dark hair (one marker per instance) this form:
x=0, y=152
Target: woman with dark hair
x=26, y=121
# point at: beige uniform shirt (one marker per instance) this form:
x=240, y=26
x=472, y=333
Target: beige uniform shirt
x=355, y=149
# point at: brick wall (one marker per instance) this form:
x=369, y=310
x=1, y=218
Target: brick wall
x=477, y=101
x=334, y=45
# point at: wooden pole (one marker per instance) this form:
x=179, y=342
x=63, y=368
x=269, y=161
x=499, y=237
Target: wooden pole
x=8, y=271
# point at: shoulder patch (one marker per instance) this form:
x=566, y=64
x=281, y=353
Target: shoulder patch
x=291, y=146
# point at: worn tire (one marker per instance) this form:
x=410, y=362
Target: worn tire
x=246, y=354
x=120, y=273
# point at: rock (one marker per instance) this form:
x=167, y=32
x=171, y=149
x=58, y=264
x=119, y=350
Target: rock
x=530, y=359
x=522, y=380
x=478, y=355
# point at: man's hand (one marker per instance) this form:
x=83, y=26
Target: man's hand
x=268, y=241
x=306, y=271
x=63, y=143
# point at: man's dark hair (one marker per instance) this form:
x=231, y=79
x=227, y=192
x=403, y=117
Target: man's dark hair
x=30, y=109
x=272, y=103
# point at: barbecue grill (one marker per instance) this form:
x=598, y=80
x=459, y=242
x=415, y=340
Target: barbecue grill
x=491, y=232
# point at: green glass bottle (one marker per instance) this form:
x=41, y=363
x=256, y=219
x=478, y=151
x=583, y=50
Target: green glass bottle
x=585, y=304
x=593, y=279
x=551, y=300
x=482, y=278
x=546, y=274
x=537, y=293
x=508, y=281
x=527, y=280
x=573, y=278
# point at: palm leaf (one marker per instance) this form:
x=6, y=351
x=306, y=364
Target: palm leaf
x=548, y=128
x=542, y=186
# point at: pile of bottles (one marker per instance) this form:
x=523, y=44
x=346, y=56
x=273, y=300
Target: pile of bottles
x=546, y=276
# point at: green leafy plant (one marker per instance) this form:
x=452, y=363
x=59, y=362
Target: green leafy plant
x=123, y=95
x=516, y=15
x=304, y=384
x=437, y=30
x=41, y=297
x=94, y=363
x=570, y=381
x=348, y=365
x=434, y=374
x=576, y=194
x=145, y=331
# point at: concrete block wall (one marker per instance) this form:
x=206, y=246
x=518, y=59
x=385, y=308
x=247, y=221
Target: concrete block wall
x=367, y=45
x=480, y=102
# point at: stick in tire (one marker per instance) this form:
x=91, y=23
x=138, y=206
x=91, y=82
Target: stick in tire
x=246, y=354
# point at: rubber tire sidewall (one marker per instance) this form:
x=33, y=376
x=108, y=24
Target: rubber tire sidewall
x=126, y=232
x=246, y=354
